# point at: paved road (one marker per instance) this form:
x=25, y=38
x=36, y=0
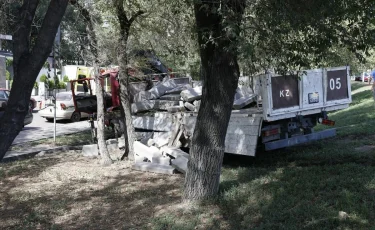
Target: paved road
x=40, y=129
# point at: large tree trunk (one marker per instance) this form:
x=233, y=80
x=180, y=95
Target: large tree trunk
x=27, y=63
x=103, y=150
x=220, y=73
x=128, y=120
x=125, y=95
x=125, y=25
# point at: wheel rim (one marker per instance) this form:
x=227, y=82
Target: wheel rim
x=76, y=117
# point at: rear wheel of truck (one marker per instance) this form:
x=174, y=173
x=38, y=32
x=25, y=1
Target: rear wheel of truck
x=75, y=117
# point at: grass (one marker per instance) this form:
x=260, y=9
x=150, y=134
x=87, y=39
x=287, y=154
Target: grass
x=304, y=187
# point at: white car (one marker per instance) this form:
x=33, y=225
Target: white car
x=64, y=108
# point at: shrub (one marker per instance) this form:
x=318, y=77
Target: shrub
x=7, y=75
x=66, y=79
x=51, y=84
x=9, y=62
x=44, y=78
x=62, y=85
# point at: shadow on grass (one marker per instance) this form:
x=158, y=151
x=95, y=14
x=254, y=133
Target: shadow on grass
x=300, y=198
x=12, y=176
x=304, y=187
x=128, y=202
x=361, y=96
x=357, y=85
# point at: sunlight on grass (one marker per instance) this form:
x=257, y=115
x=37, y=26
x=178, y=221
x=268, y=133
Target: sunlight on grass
x=303, y=187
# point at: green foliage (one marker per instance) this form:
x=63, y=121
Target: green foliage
x=9, y=62
x=7, y=75
x=36, y=85
x=293, y=34
x=62, y=85
x=51, y=84
x=66, y=79
x=44, y=78
x=56, y=79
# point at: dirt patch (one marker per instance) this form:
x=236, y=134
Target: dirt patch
x=69, y=191
x=365, y=148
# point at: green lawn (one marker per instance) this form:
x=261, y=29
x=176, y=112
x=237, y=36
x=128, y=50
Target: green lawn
x=304, y=187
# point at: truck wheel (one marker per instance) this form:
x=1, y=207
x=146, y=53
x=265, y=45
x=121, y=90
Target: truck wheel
x=49, y=119
x=75, y=117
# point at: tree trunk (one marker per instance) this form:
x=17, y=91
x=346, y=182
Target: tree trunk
x=128, y=120
x=220, y=73
x=125, y=100
x=103, y=150
x=27, y=63
x=125, y=25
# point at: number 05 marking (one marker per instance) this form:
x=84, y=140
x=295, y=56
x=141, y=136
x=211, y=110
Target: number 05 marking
x=335, y=84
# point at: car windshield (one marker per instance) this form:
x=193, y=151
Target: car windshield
x=63, y=97
x=3, y=94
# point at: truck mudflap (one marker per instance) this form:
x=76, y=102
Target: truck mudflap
x=300, y=139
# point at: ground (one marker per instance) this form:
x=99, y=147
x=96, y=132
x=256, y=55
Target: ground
x=327, y=184
x=68, y=191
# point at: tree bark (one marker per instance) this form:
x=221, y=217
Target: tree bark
x=220, y=73
x=27, y=63
x=103, y=150
x=125, y=25
x=93, y=43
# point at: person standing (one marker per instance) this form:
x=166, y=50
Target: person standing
x=372, y=77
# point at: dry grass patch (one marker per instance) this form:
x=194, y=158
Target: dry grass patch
x=68, y=191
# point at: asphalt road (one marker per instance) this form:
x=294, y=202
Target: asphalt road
x=41, y=129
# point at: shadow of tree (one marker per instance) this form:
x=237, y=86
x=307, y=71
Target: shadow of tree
x=300, y=198
x=127, y=201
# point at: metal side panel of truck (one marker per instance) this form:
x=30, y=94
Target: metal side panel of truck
x=290, y=107
x=315, y=91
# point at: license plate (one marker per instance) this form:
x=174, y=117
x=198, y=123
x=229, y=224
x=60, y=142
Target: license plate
x=313, y=98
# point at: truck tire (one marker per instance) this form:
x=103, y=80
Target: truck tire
x=75, y=117
x=49, y=119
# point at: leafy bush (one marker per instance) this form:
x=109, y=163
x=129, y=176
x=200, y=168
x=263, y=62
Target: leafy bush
x=46, y=65
x=9, y=62
x=66, y=79
x=62, y=85
x=7, y=75
x=51, y=84
x=43, y=78
x=36, y=85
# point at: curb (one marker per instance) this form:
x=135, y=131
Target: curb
x=14, y=155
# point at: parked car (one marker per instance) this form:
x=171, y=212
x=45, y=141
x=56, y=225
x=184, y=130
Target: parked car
x=28, y=118
x=64, y=108
x=364, y=75
x=4, y=95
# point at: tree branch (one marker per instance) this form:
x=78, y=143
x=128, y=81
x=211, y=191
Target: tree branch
x=89, y=29
x=121, y=14
x=51, y=22
x=22, y=33
x=137, y=14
